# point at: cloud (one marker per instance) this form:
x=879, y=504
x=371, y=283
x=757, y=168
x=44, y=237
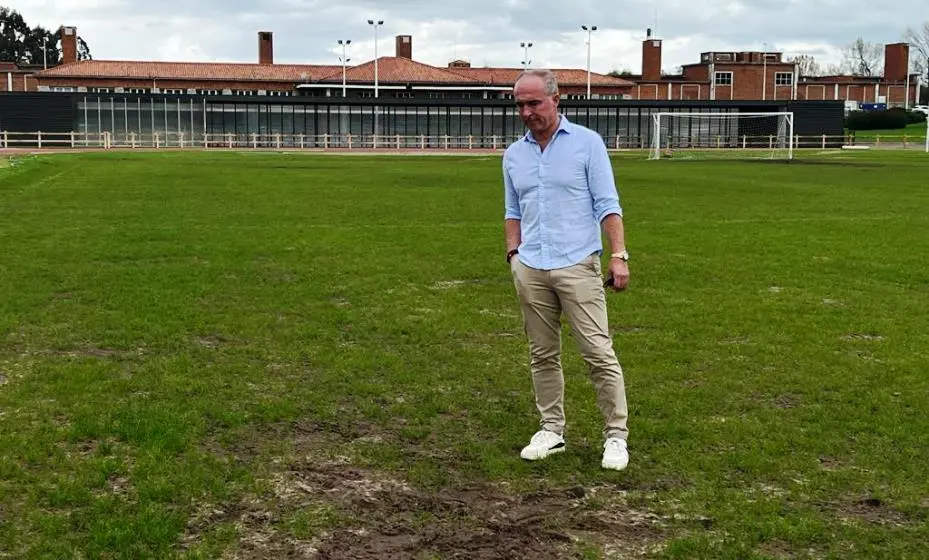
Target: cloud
x=486, y=32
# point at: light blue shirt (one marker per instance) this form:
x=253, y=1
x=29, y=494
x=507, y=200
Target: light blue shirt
x=560, y=196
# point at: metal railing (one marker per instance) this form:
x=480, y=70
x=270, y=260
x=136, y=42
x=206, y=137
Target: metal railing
x=254, y=141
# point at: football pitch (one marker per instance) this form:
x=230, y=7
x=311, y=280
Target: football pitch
x=263, y=355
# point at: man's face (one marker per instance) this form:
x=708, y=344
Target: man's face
x=537, y=110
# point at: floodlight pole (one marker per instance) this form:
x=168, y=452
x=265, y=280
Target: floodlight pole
x=526, y=60
x=375, y=24
x=589, y=31
x=344, y=60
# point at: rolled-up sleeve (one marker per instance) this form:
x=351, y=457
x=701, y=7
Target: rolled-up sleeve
x=600, y=180
x=511, y=199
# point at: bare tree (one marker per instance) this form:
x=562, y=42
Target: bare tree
x=919, y=48
x=861, y=58
x=807, y=66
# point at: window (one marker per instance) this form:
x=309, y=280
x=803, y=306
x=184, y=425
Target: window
x=136, y=90
x=784, y=78
x=279, y=93
x=208, y=91
x=436, y=95
x=99, y=90
x=173, y=91
x=724, y=57
x=723, y=78
x=62, y=88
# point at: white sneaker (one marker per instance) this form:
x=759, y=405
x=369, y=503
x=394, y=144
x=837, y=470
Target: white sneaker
x=543, y=444
x=615, y=454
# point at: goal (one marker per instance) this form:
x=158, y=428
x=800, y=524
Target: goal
x=723, y=135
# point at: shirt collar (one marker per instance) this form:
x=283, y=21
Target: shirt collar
x=564, y=125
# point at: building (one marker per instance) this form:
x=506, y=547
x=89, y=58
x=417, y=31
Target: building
x=767, y=76
x=18, y=77
x=398, y=76
x=718, y=76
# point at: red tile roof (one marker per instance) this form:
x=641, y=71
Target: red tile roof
x=189, y=71
x=392, y=69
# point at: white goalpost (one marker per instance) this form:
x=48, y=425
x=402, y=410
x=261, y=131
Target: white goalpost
x=722, y=135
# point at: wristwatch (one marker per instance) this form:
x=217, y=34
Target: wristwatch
x=510, y=254
x=622, y=255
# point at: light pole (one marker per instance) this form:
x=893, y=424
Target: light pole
x=344, y=60
x=375, y=24
x=45, y=53
x=526, y=60
x=589, y=31
x=764, y=74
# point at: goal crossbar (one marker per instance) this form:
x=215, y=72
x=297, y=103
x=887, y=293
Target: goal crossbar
x=766, y=135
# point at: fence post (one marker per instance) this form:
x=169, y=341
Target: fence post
x=349, y=141
x=229, y=139
x=770, y=141
x=40, y=139
x=6, y=140
x=422, y=140
x=398, y=141
x=72, y=139
x=494, y=139
x=824, y=141
x=278, y=135
x=180, y=139
x=157, y=140
x=326, y=141
x=470, y=142
x=301, y=142
x=744, y=141
x=446, y=141
x=131, y=139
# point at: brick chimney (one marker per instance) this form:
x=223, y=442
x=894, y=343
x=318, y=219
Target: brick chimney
x=265, y=47
x=68, y=44
x=651, y=58
x=405, y=46
x=896, y=61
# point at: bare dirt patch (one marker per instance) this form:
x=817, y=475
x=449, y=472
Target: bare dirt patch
x=371, y=514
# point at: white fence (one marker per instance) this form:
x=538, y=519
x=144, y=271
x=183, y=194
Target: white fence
x=181, y=140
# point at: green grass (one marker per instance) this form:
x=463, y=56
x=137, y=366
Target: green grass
x=203, y=353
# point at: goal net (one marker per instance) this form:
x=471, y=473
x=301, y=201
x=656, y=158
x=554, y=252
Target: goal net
x=722, y=135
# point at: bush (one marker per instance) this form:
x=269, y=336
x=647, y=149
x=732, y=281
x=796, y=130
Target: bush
x=877, y=120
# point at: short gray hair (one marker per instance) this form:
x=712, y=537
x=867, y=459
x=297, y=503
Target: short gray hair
x=548, y=79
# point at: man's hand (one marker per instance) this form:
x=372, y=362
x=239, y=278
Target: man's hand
x=619, y=272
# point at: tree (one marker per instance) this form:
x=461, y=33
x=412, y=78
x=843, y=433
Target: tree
x=24, y=45
x=620, y=74
x=807, y=66
x=919, y=48
x=861, y=58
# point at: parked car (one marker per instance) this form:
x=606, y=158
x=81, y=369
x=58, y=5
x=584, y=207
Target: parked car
x=924, y=109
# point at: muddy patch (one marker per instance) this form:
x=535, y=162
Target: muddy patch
x=869, y=509
x=348, y=511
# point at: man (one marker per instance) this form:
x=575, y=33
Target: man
x=559, y=195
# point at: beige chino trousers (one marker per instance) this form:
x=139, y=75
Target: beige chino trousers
x=578, y=292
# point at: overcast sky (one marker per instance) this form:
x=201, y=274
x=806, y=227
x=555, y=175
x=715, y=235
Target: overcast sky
x=485, y=32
